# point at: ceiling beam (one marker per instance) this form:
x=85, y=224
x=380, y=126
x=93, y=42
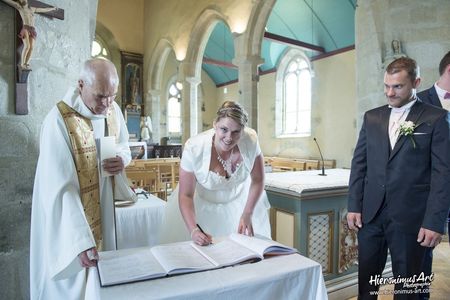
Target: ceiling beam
x=292, y=42
x=334, y=52
x=215, y=62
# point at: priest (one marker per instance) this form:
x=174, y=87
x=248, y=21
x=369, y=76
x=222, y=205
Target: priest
x=73, y=209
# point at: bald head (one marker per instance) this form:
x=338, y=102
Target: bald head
x=98, y=84
x=96, y=69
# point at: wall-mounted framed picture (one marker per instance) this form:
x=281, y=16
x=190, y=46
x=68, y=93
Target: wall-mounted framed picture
x=132, y=77
x=138, y=150
x=132, y=97
x=133, y=119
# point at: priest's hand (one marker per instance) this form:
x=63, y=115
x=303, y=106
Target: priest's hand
x=88, y=258
x=245, y=224
x=113, y=165
x=428, y=238
x=354, y=221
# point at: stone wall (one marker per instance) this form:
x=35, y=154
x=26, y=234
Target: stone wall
x=60, y=49
x=423, y=29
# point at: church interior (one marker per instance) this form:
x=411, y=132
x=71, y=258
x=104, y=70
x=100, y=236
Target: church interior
x=178, y=61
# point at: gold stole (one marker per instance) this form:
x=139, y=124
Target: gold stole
x=81, y=134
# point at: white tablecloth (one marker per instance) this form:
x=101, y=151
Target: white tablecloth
x=138, y=225
x=282, y=277
x=302, y=181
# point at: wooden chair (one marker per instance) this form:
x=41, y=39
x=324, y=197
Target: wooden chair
x=166, y=170
x=146, y=180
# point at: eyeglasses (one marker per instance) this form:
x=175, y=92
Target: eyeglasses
x=99, y=98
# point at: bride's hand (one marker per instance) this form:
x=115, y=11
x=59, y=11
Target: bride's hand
x=200, y=238
x=245, y=224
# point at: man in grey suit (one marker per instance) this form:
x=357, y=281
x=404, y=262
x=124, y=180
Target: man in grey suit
x=399, y=190
x=439, y=96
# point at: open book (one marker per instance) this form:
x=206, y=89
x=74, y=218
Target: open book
x=129, y=265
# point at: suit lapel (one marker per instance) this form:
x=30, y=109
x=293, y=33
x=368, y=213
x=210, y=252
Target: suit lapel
x=413, y=116
x=385, y=113
x=434, y=98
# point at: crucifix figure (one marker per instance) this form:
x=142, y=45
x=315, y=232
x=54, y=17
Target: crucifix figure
x=27, y=34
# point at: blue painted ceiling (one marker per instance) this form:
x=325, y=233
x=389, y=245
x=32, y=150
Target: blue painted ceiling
x=329, y=24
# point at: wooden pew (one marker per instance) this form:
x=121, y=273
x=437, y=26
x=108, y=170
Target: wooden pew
x=166, y=171
x=282, y=164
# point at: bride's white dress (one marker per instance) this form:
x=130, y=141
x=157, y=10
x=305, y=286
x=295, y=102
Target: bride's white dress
x=219, y=202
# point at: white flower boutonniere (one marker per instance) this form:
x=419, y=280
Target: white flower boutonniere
x=407, y=129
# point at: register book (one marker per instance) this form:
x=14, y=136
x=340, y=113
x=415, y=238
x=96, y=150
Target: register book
x=130, y=265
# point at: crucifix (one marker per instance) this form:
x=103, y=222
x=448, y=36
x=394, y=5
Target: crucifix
x=24, y=19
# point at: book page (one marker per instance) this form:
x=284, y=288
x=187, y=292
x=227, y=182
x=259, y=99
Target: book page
x=107, y=150
x=181, y=258
x=116, y=267
x=263, y=247
x=227, y=253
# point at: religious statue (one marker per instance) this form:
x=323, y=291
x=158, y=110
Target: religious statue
x=27, y=32
x=146, y=129
x=134, y=84
x=396, y=47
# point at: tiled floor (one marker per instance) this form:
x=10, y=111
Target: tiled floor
x=440, y=288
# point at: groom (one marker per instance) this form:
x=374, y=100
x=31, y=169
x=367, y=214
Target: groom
x=399, y=190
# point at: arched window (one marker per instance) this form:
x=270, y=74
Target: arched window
x=293, y=104
x=99, y=49
x=174, y=110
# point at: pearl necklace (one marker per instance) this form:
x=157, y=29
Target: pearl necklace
x=226, y=164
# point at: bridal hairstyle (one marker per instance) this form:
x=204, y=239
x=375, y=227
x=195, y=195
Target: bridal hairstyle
x=234, y=110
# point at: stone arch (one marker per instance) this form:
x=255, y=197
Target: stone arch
x=191, y=68
x=157, y=63
x=106, y=35
x=155, y=72
x=192, y=64
x=248, y=57
x=254, y=34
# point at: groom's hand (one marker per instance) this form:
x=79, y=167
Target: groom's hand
x=428, y=238
x=354, y=221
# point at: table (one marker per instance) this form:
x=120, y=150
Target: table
x=308, y=184
x=138, y=225
x=281, y=277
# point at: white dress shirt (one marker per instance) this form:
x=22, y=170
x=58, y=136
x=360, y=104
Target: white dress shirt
x=398, y=116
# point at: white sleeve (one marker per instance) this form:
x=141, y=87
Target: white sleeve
x=187, y=159
x=62, y=229
x=122, y=148
x=252, y=148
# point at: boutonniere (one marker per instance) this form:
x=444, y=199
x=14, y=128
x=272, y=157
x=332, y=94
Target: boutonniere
x=407, y=129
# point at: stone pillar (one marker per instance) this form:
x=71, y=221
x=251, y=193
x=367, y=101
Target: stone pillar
x=190, y=107
x=248, y=81
x=155, y=100
x=195, y=114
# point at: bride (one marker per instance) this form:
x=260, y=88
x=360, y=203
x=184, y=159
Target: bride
x=221, y=188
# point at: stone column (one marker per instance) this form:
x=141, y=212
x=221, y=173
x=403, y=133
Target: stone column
x=195, y=115
x=190, y=108
x=155, y=100
x=248, y=81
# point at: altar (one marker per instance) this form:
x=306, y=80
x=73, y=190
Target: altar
x=308, y=212
x=281, y=277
